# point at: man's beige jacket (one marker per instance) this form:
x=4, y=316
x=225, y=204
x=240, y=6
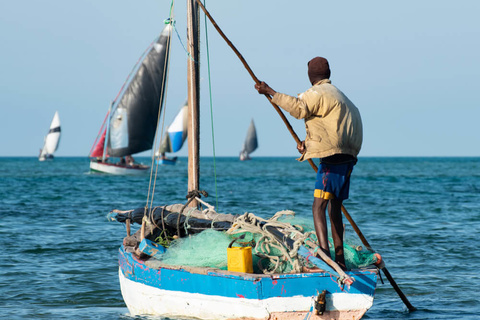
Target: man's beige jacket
x=332, y=121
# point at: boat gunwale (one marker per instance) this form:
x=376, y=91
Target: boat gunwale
x=240, y=275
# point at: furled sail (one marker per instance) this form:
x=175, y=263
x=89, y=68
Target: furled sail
x=176, y=134
x=133, y=121
x=250, y=143
x=52, y=139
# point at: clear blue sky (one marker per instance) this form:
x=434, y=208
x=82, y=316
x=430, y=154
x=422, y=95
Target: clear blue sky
x=411, y=67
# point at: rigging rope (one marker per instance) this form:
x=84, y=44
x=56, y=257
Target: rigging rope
x=181, y=42
x=211, y=110
x=172, y=22
x=153, y=177
x=267, y=243
x=163, y=99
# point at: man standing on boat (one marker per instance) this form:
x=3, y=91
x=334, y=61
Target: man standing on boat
x=333, y=134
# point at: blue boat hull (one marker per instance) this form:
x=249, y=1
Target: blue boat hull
x=207, y=293
x=167, y=161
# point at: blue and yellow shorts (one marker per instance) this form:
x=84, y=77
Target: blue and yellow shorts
x=333, y=181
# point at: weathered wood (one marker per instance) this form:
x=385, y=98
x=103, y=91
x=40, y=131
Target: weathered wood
x=193, y=99
x=168, y=218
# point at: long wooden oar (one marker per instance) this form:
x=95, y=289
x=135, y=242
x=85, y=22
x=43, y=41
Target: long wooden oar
x=312, y=164
x=382, y=266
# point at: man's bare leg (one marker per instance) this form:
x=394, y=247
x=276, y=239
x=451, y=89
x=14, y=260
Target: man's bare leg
x=319, y=219
x=336, y=223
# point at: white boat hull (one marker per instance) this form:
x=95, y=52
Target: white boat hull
x=211, y=294
x=142, y=299
x=117, y=169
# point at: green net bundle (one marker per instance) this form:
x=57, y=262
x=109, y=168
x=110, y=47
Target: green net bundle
x=205, y=249
x=355, y=255
x=209, y=249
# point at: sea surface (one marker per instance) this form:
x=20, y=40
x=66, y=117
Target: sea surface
x=59, y=252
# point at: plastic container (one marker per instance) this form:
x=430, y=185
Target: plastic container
x=240, y=259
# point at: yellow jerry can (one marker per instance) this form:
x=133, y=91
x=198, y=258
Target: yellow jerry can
x=240, y=259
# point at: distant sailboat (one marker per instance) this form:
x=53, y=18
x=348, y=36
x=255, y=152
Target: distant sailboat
x=131, y=123
x=174, y=137
x=250, y=143
x=52, y=139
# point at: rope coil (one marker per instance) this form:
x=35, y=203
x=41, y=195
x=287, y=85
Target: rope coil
x=268, y=244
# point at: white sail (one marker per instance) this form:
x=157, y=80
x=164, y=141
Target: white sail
x=178, y=129
x=52, y=139
x=176, y=133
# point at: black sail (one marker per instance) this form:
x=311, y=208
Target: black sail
x=133, y=121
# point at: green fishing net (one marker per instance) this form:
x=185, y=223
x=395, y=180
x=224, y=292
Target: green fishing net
x=356, y=256
x=205, y=249
x=209, y=249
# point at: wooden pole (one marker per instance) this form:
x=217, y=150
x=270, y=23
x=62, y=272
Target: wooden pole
x=383, y=267
x=312, y=164
x=193, y=99
x=127, y=223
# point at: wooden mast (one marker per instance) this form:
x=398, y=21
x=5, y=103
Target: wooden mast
x=193, y=98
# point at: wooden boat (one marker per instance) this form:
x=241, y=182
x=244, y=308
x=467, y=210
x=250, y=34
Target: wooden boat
x=151, y=287
x=207, y=293
x=250, y=144
x=52, y=139
x=118, y=168
x=131, y=122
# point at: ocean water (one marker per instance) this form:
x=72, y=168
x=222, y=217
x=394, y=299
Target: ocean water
x=59, y=252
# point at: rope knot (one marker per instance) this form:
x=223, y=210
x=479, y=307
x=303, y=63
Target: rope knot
x=169, y=21
x=196, y=193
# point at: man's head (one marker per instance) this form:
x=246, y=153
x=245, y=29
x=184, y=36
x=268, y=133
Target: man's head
x=318, y=69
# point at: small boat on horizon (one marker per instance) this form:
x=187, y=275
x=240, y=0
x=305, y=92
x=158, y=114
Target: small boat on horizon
x=51, y=140
x=250, y=144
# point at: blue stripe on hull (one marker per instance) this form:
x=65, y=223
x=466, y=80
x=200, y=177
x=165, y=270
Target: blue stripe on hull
x=242, y=286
